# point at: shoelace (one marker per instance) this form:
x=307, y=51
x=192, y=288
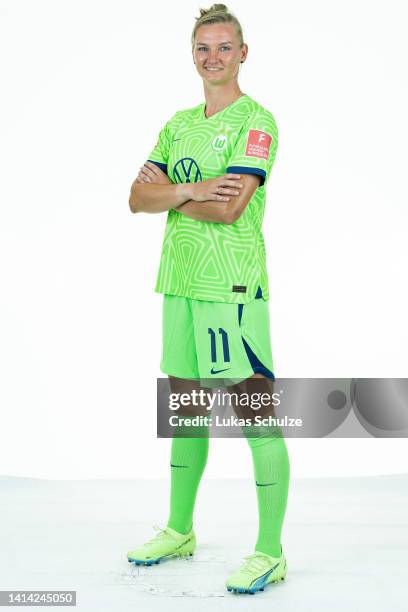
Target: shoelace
x=158, y=536
x=255, y=562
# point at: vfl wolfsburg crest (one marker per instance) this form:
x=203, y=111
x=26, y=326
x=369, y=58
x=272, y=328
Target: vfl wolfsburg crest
x=219, y=142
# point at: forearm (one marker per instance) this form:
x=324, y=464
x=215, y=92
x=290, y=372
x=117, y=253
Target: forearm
x=210, y=211
x=152, y=198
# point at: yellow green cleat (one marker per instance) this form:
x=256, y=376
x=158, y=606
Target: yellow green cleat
x=257, y=571
x=166, y=544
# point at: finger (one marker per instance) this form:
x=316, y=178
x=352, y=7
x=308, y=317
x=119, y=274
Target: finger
x=230, y=183
x=233, y=176
x=225, y=191
x=234, y=184
x=145, y=176
x=228, y=190
x=152, y=167
x=147, y=171
x=220, y=198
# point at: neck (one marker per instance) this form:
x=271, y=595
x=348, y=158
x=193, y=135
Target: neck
x=218, y=98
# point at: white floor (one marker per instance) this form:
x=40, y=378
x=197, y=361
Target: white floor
x=346, y=541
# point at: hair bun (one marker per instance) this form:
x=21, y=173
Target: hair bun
x=218, y=7
x=215, y=8
x=217, y=13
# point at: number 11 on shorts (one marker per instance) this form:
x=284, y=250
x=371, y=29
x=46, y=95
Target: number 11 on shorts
x=213, y=346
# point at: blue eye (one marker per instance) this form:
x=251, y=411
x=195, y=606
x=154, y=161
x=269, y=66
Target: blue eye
x=206, y=48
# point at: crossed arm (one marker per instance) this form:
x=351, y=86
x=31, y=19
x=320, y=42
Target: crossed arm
x=219, y=200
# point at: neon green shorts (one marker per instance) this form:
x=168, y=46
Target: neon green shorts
x=205, y=340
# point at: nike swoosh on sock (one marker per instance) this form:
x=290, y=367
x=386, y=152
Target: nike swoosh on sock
x=268, y=484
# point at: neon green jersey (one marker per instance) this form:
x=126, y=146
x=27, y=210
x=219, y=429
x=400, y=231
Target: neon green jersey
x=215, y=261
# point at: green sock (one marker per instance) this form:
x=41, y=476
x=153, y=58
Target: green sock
x=188, y=460
x=272, y=471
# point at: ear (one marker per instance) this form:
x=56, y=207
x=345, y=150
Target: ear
x=244, y=53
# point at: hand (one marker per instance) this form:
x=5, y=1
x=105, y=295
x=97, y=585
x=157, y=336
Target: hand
x=150, y=173
x=218, y=189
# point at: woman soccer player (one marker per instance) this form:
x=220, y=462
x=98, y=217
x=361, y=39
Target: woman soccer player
x=209, y=170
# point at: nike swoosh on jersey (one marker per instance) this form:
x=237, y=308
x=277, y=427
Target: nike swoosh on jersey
x=218, y=371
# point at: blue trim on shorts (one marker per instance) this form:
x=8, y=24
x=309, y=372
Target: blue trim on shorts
x=257, y=366
x=240, y=309
x=258, y=296
x=258, y=293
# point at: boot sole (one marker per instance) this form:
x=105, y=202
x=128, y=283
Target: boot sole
x=253, y=591
x=159, y=559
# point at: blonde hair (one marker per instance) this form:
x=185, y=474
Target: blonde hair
x=217, y=13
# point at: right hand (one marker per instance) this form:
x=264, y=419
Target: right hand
x=150, y=173
x=217, y=189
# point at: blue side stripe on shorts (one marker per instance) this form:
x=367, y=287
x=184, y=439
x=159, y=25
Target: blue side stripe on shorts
x=240, y=309
x=257, y=366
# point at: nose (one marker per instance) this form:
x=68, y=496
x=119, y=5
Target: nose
x=212, y=57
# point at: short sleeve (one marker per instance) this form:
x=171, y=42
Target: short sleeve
x=255, y=149
x=160, y=153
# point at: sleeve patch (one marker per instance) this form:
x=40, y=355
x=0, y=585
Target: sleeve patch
x=258, y=144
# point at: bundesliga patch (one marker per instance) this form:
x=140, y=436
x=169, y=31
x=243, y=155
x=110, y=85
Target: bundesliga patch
x=258, y=144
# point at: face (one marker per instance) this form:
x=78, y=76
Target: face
x=217, y=53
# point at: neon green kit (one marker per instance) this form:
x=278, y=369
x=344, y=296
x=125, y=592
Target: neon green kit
x=215, y=261
x=213, y=275
x=216, y=319
x=215, y=340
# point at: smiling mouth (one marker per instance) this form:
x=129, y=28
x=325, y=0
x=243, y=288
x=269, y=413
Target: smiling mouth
x=213, y=69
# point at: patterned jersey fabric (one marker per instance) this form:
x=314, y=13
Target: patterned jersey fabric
x=215, y=261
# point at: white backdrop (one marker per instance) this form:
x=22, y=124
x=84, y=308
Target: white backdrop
x=86, y=87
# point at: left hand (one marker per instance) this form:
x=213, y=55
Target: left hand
x=150, y=173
